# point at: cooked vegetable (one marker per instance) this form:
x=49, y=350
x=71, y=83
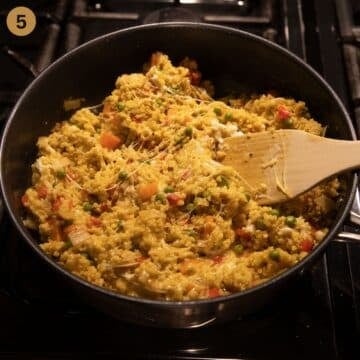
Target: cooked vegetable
x=239, y=249
x=217, y=111
x=120, y=106
x=136, y=198
x=109, y=141
x=146, y=191
x=290, y=221
x=274, y=255
x=168, y=189
x=283, y=113
x=306, y=245
x=60, y=174
x=123, y=175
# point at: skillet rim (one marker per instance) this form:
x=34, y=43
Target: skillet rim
x=178, y=304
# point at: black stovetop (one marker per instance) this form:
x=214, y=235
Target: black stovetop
x=317, y=317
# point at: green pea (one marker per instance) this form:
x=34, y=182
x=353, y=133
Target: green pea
x=290, y=221
x=274, y=255
x=160, y=198
x=159, y=101
x=191, y=232
x=120, y=106
x=228, y=117
x=190, y=207
x=60, y=174
x=287, y=124
x=67, y=245
x=87, y=206
x=239, y=249
x=217, y=111
x=260, y=224
x=274, y=212
x=188, y=132
x=168, y=189
x=123, y=175
x=206, y=194
x=221, y=180
x=179, y=140
x=85, y=255
x=120, y=226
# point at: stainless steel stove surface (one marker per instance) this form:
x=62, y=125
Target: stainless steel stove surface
x=318, y=317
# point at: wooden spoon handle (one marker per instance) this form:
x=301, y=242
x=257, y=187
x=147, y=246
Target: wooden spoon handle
x=332, y=156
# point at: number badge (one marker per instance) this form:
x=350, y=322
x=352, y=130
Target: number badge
x=21, y=21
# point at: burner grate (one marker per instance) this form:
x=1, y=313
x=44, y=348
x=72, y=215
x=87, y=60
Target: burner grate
x=320, y=317
x=349, y=26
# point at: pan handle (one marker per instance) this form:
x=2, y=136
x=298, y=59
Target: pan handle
x=22, y=61
x=348, y=236
x=29, y=67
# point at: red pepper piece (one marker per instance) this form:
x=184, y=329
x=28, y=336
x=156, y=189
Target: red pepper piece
x=214, y=292
x=283, y=113
x=307, y=245
x=42, y=191
x=25, y=200
x=93, y=221
x=173, y=199
x=243, y=234
x=218, y=259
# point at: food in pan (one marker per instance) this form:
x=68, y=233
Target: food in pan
x=135, y=198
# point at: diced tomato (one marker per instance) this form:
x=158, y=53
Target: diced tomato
x=195, y=77
x=93, y=221
x=307, y=245
x=283, y=113
x=214, y=292
x=243, y=234
x=109, y=141
x=146, y=191
x=25, y=200
x=173, y=199
x=55, y=206
x=42, y=191
x=218, y=259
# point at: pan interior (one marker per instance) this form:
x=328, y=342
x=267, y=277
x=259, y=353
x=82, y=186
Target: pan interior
x=232, y=60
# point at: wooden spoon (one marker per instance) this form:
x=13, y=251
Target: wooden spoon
x=279, y=165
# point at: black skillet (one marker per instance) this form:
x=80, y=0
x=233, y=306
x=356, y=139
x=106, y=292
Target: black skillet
x=90, y=71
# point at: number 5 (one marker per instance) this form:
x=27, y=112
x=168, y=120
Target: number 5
x=20, y=21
